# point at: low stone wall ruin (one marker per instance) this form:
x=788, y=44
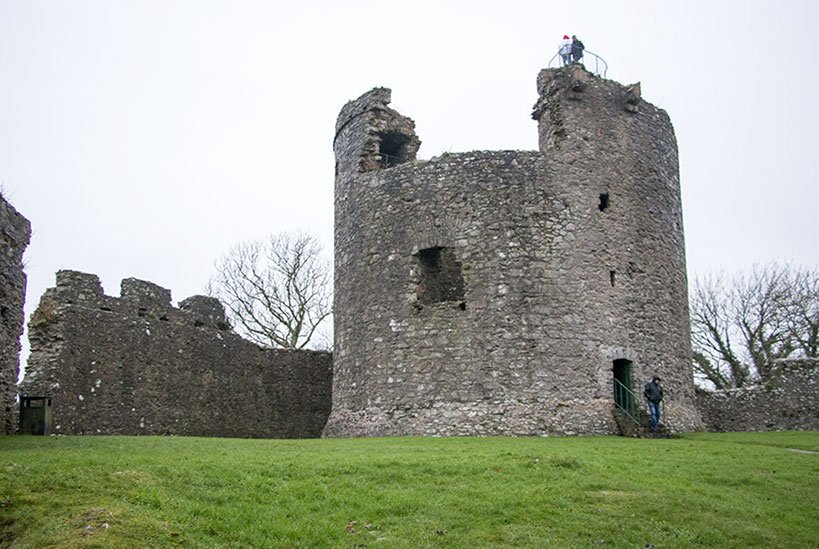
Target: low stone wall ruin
x=788, y=402
x=15, y=233
x=135, y=365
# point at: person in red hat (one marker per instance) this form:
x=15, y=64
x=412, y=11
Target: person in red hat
x=565, y=50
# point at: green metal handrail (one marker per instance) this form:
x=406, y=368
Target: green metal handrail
x=630, y=403
x=626, y=400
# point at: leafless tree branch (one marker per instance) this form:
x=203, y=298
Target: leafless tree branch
x=741, y=326
x=277, y=291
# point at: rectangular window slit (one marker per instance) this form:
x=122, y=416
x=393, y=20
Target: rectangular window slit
x=604, y=201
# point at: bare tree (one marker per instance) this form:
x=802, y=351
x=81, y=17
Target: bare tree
x=741, y=326
x=276, y=291
x=803, y=313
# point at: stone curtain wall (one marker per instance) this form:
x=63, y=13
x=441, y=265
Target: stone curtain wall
x=15, y=232
x=491, y=292
x=790, y=401
x=136, y=365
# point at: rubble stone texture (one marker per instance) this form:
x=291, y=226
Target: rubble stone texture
x=15, y=233
x=790, y=401
x=137, y=365
x=490, y=293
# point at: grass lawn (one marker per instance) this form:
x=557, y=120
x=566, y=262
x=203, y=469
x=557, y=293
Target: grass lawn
x=708, y=490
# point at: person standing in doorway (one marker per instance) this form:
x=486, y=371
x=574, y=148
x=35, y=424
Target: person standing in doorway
x=654, y=395
x=565, y=50
x=577, y=49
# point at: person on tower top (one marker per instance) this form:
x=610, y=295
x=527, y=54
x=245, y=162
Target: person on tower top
x=577, y=49
x=565, y=50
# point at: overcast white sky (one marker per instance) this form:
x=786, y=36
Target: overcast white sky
x=144, y=138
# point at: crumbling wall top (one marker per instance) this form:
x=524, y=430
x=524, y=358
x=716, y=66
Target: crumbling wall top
x=145, y=294
x=371, y=136
x=376, y=98
x=139, y=298
x=207, y=311
x=570, y=83
x=77, y=287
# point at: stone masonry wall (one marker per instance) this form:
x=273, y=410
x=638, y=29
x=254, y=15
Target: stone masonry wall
x=489, y=293
x=136, y=365
x=789, y=402
x=15, y=232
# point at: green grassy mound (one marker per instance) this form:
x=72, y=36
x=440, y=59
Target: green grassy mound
x=710, y=490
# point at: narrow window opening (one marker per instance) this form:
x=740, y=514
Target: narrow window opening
x=439, y=277
x=604, y=201
x=611, y=277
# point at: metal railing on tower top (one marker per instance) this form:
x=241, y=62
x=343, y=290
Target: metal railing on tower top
x=591, y=61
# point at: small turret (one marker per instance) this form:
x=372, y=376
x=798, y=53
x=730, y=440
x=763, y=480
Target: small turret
x=371, y=136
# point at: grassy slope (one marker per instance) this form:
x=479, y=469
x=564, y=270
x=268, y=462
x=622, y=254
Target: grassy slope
x=743, y=489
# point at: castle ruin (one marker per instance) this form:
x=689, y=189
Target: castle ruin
x=479, y=293
x=134, y=364
x=503, y=293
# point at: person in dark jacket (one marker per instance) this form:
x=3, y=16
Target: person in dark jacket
x=654, y=395
x=577, y=49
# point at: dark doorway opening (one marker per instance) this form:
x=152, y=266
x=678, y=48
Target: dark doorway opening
x=623, y=396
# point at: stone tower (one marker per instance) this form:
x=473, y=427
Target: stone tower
x=489, y=293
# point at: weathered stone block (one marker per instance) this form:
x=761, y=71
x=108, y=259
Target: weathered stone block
x=207, y=311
